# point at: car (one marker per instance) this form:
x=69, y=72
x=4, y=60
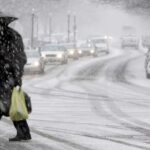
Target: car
x=101, y=44
x=130, y=41
x=87, y=49
x=54, y=53
x=147, y=64
x=129, y=37
x=35, y=63
x=147, y=67
x=72, y=50
x=146, y=41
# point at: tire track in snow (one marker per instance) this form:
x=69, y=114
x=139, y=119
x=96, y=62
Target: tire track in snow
x=128, y=125
x=125, y=142
x=48, y=136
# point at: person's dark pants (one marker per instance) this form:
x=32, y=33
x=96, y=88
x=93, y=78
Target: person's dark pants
x=22, y=128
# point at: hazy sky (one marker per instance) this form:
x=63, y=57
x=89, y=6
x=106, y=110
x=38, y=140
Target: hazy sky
x=101, y=19
x=92, y=19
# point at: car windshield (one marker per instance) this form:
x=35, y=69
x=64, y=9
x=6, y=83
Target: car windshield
x=32, y=54
x=99, y=40
x=86, y=46
x=129, y=37
x=52, y=48
x=68, y=45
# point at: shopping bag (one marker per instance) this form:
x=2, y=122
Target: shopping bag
x=18, y=110
x=28, y=102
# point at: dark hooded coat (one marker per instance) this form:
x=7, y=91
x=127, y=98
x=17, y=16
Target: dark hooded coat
x=12, y=61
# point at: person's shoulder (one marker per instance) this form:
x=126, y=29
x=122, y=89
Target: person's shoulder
x=13, y=33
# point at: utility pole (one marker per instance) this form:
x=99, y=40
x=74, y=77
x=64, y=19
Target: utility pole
x=32, y=28
x=50, y=27
x=68, y=24
x=37, y=30
x=74, y=29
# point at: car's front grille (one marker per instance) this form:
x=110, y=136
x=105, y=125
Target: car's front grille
x=28, y=64
x=86, y=52
x=50, y=55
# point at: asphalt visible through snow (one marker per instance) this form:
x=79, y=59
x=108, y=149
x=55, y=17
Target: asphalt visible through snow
x=89, y=104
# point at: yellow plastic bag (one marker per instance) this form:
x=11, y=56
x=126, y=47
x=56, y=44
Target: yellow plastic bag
x=18, y=110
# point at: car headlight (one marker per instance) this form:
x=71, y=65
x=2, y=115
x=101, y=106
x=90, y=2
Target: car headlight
x=36, y=63
x=80, y=52
x=43, y=55
x=59, y=55
x=105, y=37
x=92, y=51
x=71, y=52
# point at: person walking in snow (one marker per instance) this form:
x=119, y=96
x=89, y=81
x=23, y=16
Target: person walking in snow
x=12, y=61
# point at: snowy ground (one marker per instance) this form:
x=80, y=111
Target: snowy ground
x=89, y=104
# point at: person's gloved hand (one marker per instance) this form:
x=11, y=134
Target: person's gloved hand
x=18, y=82
x=18, y=88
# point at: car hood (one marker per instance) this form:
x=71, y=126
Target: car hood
x=70, y=49
x=130, y=37
x=86, y=48
x=32, y=60
x=51, y=52
x=100, y=45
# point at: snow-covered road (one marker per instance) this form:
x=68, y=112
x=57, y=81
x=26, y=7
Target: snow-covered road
x=89, y=104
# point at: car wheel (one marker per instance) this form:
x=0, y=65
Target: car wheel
x=42, y=70
x=137, y=47
x=107, y=52
x=63, y=62
x=66, y=61
x=148, y=76
x=95, y=55
x=75, y=57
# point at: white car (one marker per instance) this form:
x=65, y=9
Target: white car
x=87, y=49
x=146, y=41
x=101, y=44
x=130, y=41
x=54, y=53
x=71, y=49
x=35, y=63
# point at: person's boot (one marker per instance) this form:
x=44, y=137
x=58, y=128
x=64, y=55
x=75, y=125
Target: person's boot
x=1, y=115
x=27, y=137
x=15, y=139
x=25, y=130
x=19, y=135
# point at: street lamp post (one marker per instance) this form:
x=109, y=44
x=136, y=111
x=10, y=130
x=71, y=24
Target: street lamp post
x=37, y=28
x=32, y=28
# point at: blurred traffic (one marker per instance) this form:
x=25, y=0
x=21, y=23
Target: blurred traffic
x=35, y=62
x=49, y=53
x=59, y=47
